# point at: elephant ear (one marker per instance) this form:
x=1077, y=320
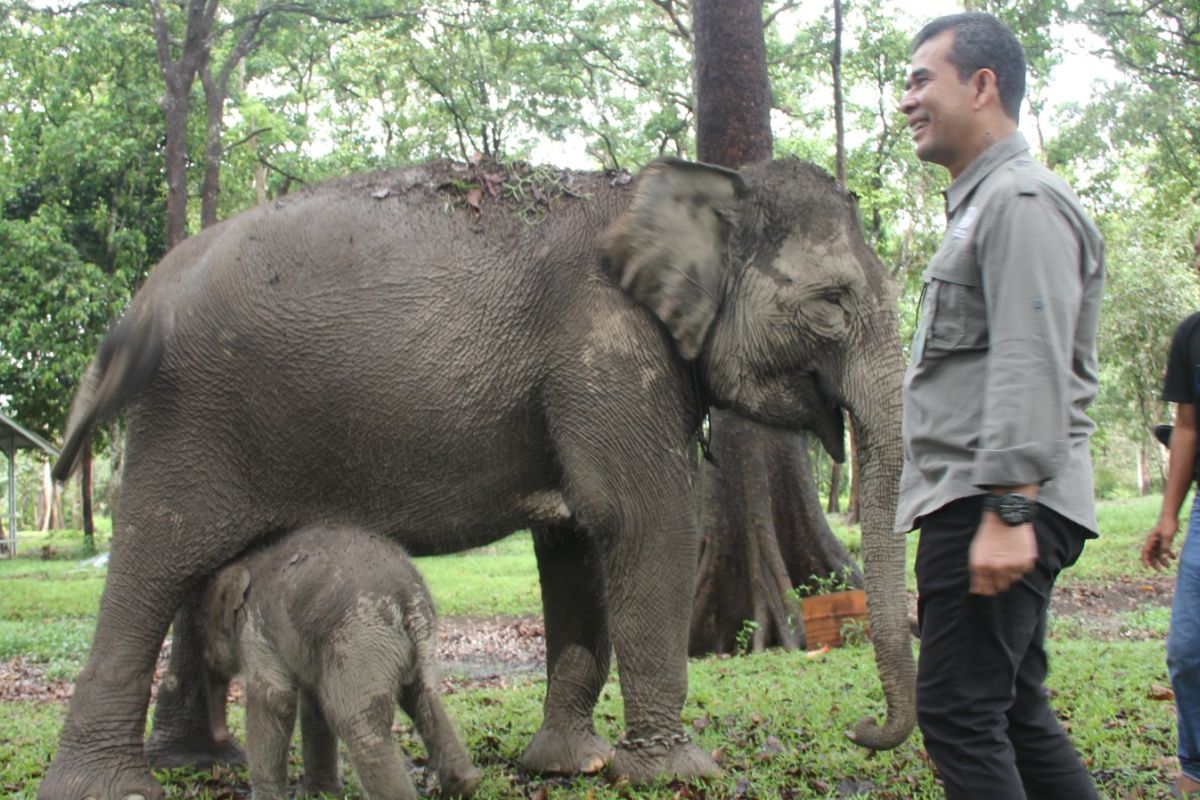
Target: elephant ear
x=668, y=247
x=232, y=586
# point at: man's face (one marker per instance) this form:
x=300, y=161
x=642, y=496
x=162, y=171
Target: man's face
x=939, y=106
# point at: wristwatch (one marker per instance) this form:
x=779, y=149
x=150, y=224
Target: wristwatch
x=1011, y=508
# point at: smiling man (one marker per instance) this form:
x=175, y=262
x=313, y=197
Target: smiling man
x=997, y=471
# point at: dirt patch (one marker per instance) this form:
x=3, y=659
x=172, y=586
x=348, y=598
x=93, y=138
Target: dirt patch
x=1099, y=601
x=1100, y=607
x=489, y=651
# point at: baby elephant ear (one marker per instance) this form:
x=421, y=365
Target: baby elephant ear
x=668, y=247
x=233, y=583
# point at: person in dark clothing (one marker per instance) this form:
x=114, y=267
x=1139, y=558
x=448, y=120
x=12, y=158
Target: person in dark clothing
x=997, y=472
x=1182, y=387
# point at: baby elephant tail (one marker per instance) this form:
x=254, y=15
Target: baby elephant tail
x=124, y=365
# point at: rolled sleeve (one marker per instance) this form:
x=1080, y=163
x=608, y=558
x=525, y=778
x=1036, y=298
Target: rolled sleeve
x=1029, y=257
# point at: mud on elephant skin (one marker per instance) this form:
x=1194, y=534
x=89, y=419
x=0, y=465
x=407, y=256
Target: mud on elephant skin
x=335, y=622
x=377, y=351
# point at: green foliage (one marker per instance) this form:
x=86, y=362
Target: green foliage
x=824, y=584
x=1150, y=289
x=744, y=640
x=1155, y=111
x=80, y=204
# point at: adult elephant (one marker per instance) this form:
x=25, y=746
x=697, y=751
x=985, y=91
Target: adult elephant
x=409, y=352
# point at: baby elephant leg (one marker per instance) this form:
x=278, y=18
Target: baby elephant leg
x=457, y=776
x=359, y=703
x=270, y=720
x=319, y=746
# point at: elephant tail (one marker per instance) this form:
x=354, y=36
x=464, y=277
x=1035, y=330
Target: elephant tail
x=124, y=365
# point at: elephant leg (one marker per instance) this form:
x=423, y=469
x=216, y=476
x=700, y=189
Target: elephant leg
x=457, y=776
x=361, y=715
x=578, y=653
x=319, y=747
x=100, y=751
x=634, y=497
x=270, y=720
x=358, y=697
x=182, y=735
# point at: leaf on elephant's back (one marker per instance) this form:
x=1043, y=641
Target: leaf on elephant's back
x=475, y=199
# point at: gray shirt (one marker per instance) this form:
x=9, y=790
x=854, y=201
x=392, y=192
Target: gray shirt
x=1004, y=357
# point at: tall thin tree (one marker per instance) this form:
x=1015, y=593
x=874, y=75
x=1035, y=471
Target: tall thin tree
x=759, y=509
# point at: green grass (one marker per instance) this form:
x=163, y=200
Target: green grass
x=775, y=719
x=498, y=579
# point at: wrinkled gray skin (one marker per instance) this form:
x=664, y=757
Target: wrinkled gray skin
x=337, y=622
x=367, y=351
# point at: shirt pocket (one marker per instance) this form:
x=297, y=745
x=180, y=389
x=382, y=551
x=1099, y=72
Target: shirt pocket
x=957, y=311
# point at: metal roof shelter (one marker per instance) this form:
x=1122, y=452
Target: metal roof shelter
x=13, y=438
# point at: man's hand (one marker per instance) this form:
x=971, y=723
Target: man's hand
x=1000, y=555
x=1156, y=552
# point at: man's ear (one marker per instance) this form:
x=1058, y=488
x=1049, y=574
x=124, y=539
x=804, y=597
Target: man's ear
x=986, y=90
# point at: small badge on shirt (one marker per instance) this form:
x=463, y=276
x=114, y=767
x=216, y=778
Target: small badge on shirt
x=964, y=225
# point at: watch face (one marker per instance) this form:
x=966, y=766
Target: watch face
x=1012, y=508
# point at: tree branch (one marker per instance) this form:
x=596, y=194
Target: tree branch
x=669, y=6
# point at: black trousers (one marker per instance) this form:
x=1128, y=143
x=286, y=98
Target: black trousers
x=981, y=706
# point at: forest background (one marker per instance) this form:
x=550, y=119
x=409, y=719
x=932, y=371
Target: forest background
x=127, y=124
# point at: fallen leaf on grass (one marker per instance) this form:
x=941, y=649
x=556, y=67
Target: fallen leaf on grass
x=818, y=652
x=1158, y=692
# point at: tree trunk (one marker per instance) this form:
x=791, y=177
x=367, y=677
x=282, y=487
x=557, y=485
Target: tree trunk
x=176, y=113
x=835, y=489
x=839, y=124
x=839, y=117
x=210, y=188
x=760, y=514
x=85, y=495
x=1143, y=469
x=51, y=502
x=852, y=509
x=260, y=175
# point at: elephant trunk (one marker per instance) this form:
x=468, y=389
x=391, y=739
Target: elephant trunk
x=874, y=403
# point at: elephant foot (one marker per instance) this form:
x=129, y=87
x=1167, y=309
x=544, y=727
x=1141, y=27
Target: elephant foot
x=559, y=752
x=669, y=757
x=459, y=782
x=168, y=750
x=68, y=780
x=323, y=787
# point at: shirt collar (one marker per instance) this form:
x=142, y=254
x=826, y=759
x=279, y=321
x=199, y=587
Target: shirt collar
x=984, y=164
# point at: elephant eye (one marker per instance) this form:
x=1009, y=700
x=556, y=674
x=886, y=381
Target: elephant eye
x=834, y=295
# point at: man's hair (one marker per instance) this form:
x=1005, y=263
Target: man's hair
x=983, y=42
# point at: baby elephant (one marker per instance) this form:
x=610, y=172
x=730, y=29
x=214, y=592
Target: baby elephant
x=339, y=619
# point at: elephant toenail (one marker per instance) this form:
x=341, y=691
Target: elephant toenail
x=592, y=765
x=134, y=796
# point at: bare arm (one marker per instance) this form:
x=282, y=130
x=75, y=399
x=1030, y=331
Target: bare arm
x=1156, y=552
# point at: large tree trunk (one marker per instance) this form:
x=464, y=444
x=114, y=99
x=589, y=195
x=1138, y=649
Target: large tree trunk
x=210, y=187
x=176, y=113
x=759, y=510
x=764, y=533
